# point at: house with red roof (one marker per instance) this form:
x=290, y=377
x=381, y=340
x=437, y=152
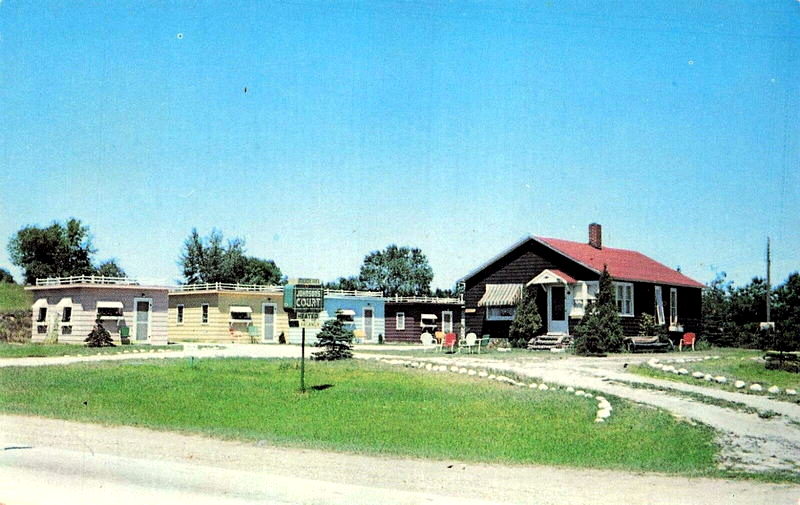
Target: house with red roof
x=566, y=276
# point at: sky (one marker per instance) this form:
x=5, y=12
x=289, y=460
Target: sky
x=455, y=127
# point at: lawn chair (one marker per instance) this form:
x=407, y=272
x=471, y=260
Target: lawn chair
x=688, y=340
x=359, y=336
x=450, y=340
x=469, y=342
x=428, y=341
x=252, y=331
x=483, y=342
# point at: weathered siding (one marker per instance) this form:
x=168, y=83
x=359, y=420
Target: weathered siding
x=84, y=312
x=219, y=328
x=413, y=312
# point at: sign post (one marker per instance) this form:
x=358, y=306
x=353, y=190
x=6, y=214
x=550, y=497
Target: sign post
x=305, y=298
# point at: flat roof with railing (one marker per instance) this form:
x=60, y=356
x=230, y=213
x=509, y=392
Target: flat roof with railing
x=423, y=299
x=95, y=280
x=353, y=292
x=226, y=286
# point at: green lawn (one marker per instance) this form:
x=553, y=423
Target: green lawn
x=43, y=350
x=13, y=297
x=369, y=408
x=735, y=364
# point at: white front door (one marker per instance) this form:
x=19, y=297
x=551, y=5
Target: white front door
x=141, y=317
x=368, y=313
x=268, y=322
x=557, y=310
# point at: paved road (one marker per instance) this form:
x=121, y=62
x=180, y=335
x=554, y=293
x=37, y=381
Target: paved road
x=50, y=461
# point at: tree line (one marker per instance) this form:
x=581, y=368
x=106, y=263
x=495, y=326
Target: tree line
x=64, y=250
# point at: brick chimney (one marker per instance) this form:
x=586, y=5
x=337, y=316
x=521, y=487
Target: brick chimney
x=595, y=236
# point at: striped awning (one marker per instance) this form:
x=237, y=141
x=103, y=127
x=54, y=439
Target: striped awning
x=346, y=312
x=500, y=295
x=109, y=305
x=241, y=308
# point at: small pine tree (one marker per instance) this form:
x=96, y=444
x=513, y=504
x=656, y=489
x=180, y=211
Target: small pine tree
x=99, y=337
x=648, y=327
x=526, y=319
x=336, y=340
x=600, y=330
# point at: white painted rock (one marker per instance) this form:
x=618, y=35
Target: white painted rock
x=462, y=370
x=557, y=350
x=482, y=374
x=706, y=357
x=533, y=385
x=492, y=377
x=708, y=377
x=454, y=368
x=570, y=389
x=599, y=420
x=683, y=371
x=600, y=398
x=739, y=384
x=720, y=379
x=428, y=366
x=579, y=392
x=680, y=360
x=543, y=387
x=755, y=387
x=697, y=375
x=774, y=389
x=603, y=413
x=472, y=372
x=791, y=392
x=589, y=395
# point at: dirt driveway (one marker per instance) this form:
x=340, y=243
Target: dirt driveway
x=47, y=461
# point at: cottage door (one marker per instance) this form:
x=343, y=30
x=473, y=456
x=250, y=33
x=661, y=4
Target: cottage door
x=368, y=323
x=142, y=318
x=269, y=322
x=556, y=310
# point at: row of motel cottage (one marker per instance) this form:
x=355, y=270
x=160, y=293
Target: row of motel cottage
x=565, y=273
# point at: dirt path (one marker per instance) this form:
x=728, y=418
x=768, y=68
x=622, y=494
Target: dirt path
x=748, y=442
x=50, y=460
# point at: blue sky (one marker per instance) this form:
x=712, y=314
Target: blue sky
x=456, y=127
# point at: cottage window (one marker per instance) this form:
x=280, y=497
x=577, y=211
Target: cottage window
x=66, y=315
x=447, y=321
x=41, y=329
x=400, y=321
x=673, y=306
x=346, y=316
x=659, y=306
x=42, y=316
x=500, y=313
x=179, y=318
x=109, y=309
x=66, y=329
x=241, y=313
x=204, y=314
x=624, y=298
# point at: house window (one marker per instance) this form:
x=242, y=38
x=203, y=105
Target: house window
x=66, y=329
x=42, y=316
x=41, y=329
x=447, y=321
x=673, y=306
x=400, y=321
x=66, y=315
x=500, y=313
x=109, y=309
x=204, y=314
x=659, y=306
x=624, y=298
x=241, y=313
x=180, y=314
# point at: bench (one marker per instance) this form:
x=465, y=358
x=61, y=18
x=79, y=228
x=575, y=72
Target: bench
x=645, y=343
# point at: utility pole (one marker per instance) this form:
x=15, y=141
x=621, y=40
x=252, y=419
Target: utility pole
x=768, y=282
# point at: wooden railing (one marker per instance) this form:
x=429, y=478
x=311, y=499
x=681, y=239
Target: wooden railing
x=226, y=286
x=87, y=279
x=354, y=292
x=423, y=299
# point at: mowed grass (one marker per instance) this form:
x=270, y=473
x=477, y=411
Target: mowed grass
x=735, y=365
x=369, y=409
x=30, y=350
x=13, y=297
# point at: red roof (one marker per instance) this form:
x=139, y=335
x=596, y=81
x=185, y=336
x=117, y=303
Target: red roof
x=622, y=264
x=568, y=278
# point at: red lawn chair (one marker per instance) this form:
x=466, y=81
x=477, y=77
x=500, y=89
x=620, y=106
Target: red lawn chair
x=687, y=340
x=450, y=341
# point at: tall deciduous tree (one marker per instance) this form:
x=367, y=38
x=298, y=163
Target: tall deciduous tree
x=207, y=259
x=402, y=271
x=5, y=276
x=527, y=320
x=55, y=251
x=600, y=330
x=109, y=268
x=351, y=283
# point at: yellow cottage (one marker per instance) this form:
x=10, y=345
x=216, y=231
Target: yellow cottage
x=227, y=313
